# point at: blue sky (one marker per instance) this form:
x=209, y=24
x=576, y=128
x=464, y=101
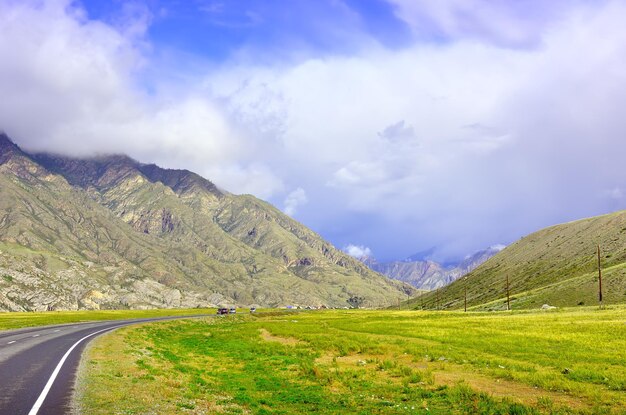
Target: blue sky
x=267, y=30
x=388, y=126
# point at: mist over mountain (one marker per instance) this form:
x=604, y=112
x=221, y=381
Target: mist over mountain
x=422, y=255
x=426, y=274
x=110, y=232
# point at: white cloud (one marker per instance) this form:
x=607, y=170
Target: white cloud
x=398, y=132
x=507, y=136
x=357, y=251
x=508, y=24
x=294, y=200
x=75, y=86
x=361, y=173
x=455, y=144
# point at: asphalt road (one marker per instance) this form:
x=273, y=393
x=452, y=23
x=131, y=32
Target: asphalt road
x=38, y=365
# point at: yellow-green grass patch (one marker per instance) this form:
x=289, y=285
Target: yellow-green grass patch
x=16, y=320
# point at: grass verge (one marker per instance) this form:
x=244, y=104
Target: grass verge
x=11, y=320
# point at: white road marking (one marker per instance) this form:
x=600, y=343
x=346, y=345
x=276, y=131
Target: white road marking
x=11, y=342
x=57, y=369
x=36, y=335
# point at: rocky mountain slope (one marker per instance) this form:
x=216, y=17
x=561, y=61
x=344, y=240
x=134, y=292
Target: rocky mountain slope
x=110, y=232
x=555, y=266
x=425, y=274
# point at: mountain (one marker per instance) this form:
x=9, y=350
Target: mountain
x=425, y=274
x=555, y=266
x=110, y=232
x=471, y=262
x=422, y=255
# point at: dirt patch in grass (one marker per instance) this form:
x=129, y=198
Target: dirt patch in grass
x=500, y=388
x=221, y=405
x=350, y=360
x=355, y=359
x=325, y=359
x=269, y=337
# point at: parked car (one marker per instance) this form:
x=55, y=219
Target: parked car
x=222, y=311
x=233, y=310
x=252, y=309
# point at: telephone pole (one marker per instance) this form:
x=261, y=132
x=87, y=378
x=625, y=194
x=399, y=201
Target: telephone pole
x=465, y=285
x=508, y=297
x=599, y=278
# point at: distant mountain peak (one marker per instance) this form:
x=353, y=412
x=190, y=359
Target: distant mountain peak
x=107, y=170
x=424, y=273
x=422, y=255
x=8, y=148
x=180, y=181
x=4, y=139
x=99, y=171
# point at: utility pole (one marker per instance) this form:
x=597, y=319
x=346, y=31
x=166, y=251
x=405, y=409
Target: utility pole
x=465, y=285
x=508, y=298
x=599, y=278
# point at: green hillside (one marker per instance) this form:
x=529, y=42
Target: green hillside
x=113, y=233
x=555, y=266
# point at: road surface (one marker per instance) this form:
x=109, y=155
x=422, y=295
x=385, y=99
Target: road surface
x=38, y=365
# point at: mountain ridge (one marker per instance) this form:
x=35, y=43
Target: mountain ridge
x=93, y=171
x=425, y=274
x=557, y=265
x=132, y=228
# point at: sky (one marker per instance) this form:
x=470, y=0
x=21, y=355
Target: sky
x=389, y=127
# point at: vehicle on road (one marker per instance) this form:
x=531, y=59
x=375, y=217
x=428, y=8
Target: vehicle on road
x=252, y=309
x=222, y=310
x=233, y=310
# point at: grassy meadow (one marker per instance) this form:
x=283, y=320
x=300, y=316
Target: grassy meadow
x=10, y=320
x=362, y=362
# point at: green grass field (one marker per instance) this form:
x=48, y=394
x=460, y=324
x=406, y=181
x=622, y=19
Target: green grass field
x=10, y=320
x=363, y=362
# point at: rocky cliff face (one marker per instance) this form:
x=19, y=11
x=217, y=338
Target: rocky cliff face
x=110, y=232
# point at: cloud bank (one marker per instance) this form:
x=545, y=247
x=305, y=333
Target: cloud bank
x=76, y=85
x=480, y=130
